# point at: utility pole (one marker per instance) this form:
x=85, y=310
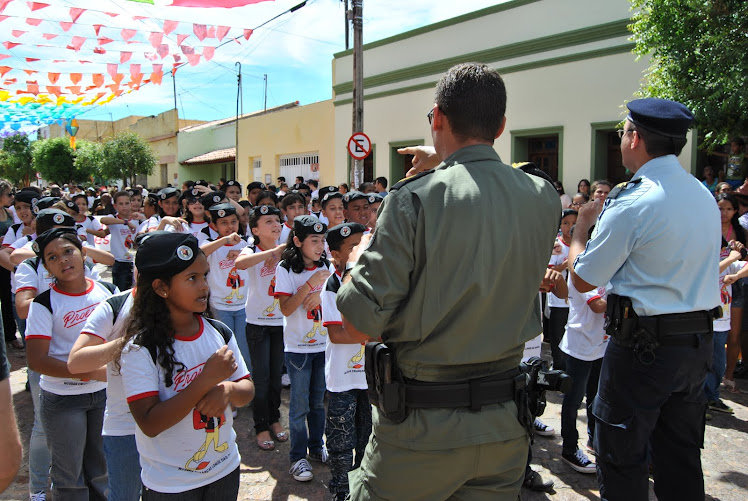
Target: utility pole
x=356, y=14
x=347, y=25
x=174, y=83
x=266, y=92
x=238, y=100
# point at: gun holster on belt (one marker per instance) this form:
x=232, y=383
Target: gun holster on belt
x=385, y=381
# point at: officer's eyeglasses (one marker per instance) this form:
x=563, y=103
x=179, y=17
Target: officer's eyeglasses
x=621, y=132
x=430, y=115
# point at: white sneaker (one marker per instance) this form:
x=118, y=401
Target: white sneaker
x=285, y=381
x=319, y=456
x=301, y=471
x=39, y=496
x=543, y=429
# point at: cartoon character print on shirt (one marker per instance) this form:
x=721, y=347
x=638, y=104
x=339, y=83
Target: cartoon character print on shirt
x=315, y=315
x=270, y=310
x=356, y=361
x=236, y=283
x=212, y=427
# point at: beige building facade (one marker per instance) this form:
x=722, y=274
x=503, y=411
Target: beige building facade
x=567, y=65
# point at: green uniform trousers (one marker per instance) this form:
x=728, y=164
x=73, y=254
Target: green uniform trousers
x=492, y=471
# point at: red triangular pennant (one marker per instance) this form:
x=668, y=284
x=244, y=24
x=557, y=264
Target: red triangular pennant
x=208, y=53
x=17, y=33
x=104, y=40
x=66, y=25
x=74, y=89
x=3, y=4
x=247, y=34
x=10, y=45
x=111, y=68
x=53, y=77
x=139, y=18
x=155, y=38
x=181, y=38
x=194, y=59
x=75, y=13
x=76, y=43
x=54, y=89
x=186, y=49
x=32, y=21
x=200, y=31
x=151, y=56
x=97, y=28
x=124, y=57
x=98, y=79
x=118, y=78
x=4, y=70
x=221, y=32
x=4, y=56
x=36, y=5
x=156, y=77
x=3, y=18
x=32, y=88
x=211, y=32
x=75, y=78
x=99, y=50
x=127, y=34
x=162, y=50
x=176, y=57
x=30, y=72
x=49, y=36
x=170, y=26
x=134, y=70
x=111, y=14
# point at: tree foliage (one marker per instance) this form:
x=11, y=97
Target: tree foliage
x=16, y=159
x=699, y=51
x=89, y=157
x=54, y=158
x=126, y=156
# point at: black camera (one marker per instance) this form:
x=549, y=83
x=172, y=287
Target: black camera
x=541, y=379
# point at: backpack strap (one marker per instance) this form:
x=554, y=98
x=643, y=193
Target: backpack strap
x=226, y=333
x=108, y=286
x=116, y=302
x=45, y=299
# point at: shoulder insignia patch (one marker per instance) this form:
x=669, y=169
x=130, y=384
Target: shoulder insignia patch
x=622, y=186
x=407, y=180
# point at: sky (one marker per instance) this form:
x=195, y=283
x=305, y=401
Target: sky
x=295, y=51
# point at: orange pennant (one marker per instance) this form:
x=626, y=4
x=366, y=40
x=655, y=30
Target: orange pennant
x=156, y=77
x=4, y=70
x=76, y=77
x=53, y=77
x=54, y=89
x=118, y=78
x=74, y=89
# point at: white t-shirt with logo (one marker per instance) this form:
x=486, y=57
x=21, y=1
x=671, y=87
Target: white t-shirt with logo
x=302, y=330
x=121, y=241
x=59, y=317
x=262, y=307
x=228, y=285
x=725, y=294
x=585, y=337
x=173, y=461
x=89, y=223
x=344, y=363
x=118, y=420
x=32, y=275
x=553, y=300
x=285, y=230
x=193, y=229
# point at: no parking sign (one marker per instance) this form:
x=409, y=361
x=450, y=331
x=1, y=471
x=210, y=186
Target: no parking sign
x=359, y=146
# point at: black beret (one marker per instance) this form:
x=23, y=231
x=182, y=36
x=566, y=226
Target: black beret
x=303, y=187
x=54, y=217
x=266, y=210
x=164, y=253
x=190, y=194
x=308, y=225
x=80, y=195
x=245, y=203
x=374, y=198
x=202, y=182
x=352, y=196
x=568, y=212
x=153, y=196
x=44, y=203
x=661, y=116
x=27, y=196
x=256, y=185
x=232, y=182
x=70, y=204
x=330, y=196
x=532, y=169
x=327, y=189
x=337, y=234
x=168, y=193
x=210, y=199
x=48, y=236
x=222, y=210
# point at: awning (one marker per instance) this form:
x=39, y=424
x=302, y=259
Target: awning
x=212, y=157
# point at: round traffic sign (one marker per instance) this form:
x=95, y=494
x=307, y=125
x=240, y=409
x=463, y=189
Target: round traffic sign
x=359, y=146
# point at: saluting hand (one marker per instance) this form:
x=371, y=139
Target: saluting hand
x=588, y=214
x=318, y=278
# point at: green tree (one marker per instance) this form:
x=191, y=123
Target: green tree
x=699, y=56
x=89, y=157
x=16, y=159
x=126, y=156
x=54, y=158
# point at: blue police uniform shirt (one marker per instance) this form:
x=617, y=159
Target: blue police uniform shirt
x=658, y=242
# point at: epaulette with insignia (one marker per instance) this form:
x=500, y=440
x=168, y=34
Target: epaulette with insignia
x=407, y=180
x=620, y=187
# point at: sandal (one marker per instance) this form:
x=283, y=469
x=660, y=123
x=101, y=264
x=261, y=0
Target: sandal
x=265, y=445
x=17, y=344
x=281, y=436
x=730, y=385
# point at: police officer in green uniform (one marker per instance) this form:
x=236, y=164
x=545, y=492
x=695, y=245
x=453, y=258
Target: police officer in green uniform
x=449, y=281
x=657, y=241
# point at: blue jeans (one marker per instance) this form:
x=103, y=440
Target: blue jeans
x=266, y=349
x=714, y=376
x=123, y=467
x=236, y=321
x=73, y=424
x=122, y=275
x=39, y=456
x=307, y=373
x=348, y=427
x=584, y=378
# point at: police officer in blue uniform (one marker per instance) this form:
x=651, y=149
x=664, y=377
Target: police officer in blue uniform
x=657, y=242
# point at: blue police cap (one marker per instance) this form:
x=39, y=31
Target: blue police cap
x=661, y=116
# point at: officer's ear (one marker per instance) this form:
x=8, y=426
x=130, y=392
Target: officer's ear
x=501, y=127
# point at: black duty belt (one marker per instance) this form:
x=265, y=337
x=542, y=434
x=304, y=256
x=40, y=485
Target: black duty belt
x=473, y=394
x=679, y=329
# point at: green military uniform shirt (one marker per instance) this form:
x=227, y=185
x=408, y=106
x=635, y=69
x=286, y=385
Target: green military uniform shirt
x=450, y=282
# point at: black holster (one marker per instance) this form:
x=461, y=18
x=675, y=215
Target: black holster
x=385, y=381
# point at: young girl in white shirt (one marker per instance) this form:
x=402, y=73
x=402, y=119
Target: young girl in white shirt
x=181, y=371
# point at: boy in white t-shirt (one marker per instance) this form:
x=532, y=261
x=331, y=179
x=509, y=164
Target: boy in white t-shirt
x=228, y=284
x=584, y=344
x=348, y=423
x=122, y=232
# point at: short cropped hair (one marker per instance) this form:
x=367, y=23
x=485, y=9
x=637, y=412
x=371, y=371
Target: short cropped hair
x=473, y=98
x=657, y=145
